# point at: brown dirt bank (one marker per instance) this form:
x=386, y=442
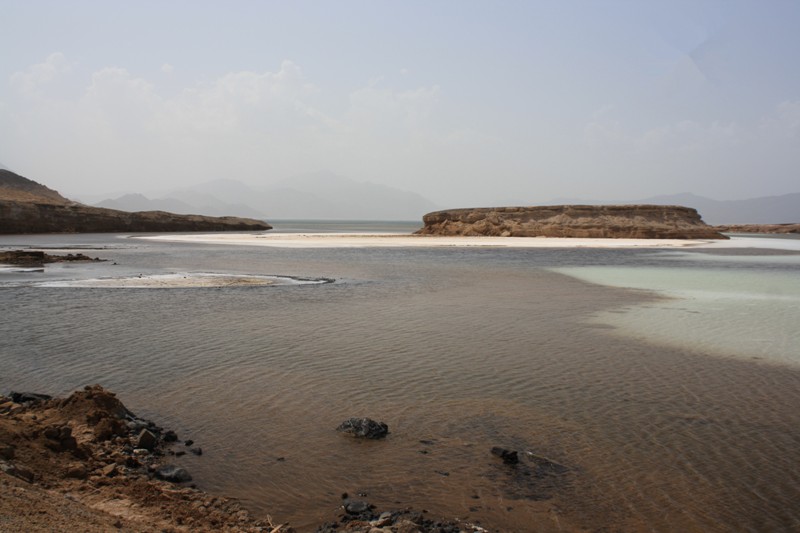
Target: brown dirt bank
x=86, y=463
x=578, y=221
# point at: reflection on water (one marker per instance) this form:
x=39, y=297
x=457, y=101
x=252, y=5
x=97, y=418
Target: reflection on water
x=458, y=351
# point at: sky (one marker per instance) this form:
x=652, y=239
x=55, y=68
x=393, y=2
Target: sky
x=468, y=103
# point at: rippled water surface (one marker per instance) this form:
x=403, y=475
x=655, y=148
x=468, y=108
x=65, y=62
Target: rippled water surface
x=457, y=350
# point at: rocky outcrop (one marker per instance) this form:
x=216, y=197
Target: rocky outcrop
x=28, y=207
x=74, y=464
x=759, y=228
x=39, y=258
x=579, y=221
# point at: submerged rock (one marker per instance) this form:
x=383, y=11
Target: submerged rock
x=174, y=474
x=24, y=397
x=364, y=428
x=356, y=507
x=509, y=457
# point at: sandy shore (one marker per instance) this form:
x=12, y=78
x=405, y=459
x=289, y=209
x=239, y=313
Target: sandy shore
x=385, y=240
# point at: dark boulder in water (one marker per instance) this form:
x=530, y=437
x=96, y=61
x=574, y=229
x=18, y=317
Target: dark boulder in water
x=364, y=428
x=509, y=457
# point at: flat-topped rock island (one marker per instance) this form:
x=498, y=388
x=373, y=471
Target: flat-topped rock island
x=578, y=221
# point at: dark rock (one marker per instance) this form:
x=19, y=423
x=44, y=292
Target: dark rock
x=69, y=444
x=24, y=397
x=77, y=471
x=188, y=442
x=172, y=473
x=509, y=457
x=364, y=428
x=146, y=440
x=356, y=507
x=107, y=428
x=196, y=451
x=7, y=451
x=170, y=436
x=17, y=471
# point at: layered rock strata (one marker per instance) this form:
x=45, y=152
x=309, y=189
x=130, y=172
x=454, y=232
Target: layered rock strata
x=579, y=221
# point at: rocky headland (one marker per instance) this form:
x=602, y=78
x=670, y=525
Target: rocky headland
x=578, y=221
x=776, y=229
x=29, y=207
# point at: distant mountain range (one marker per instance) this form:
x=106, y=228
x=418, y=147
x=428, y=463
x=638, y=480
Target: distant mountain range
x=765, y=210
x=322, y=196
x=327, y=196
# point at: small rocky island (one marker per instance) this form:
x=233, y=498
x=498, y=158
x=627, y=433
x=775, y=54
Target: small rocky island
x=577, y=221
x=29, y=207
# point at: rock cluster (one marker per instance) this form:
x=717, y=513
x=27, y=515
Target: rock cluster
x=359, y=516
x=578, y=221
x=103, y=459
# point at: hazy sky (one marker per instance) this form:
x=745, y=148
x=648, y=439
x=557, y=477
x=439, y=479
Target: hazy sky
x=467, y=103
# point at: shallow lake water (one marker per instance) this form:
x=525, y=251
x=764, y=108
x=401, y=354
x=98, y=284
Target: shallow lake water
x=666, y=382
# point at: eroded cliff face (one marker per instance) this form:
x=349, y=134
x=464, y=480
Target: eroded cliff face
x=29, y=207
x=579, y=221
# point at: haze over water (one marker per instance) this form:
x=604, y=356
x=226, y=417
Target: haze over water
x=652, y=400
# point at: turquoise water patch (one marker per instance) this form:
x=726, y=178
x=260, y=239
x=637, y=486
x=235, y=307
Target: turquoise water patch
x=749, y=314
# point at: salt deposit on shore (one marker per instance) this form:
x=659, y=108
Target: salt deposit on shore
x=185, y=280
x=364, y=240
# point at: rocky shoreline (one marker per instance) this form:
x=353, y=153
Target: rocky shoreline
x=39, y=258
x=85, y=462
x=774, y=229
